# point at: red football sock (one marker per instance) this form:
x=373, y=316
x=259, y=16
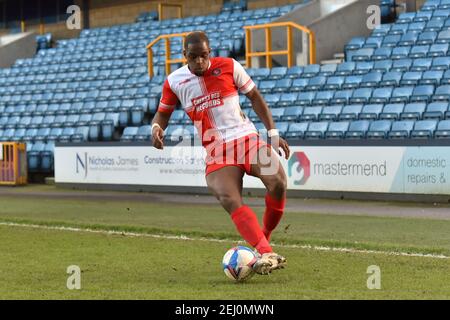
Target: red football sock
x=272, y=215
x=247, y=224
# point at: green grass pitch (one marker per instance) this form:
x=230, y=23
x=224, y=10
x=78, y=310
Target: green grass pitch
x=34, y=260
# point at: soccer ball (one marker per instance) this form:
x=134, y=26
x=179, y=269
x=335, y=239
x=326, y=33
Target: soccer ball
x=238, y=263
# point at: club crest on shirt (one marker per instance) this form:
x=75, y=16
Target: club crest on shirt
x=216, y=72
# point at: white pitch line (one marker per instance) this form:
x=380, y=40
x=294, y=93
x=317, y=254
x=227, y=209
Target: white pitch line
x=181, y=237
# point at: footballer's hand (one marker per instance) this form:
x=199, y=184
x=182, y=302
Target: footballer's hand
x=157, y=138
x=285, y=147
x=277, y=142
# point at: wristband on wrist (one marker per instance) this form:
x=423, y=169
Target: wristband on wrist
x=273, y=133
x=155, y=125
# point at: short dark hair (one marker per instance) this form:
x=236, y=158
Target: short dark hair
x=195, y=38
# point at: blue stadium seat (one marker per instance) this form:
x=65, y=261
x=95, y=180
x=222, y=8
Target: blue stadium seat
x=424, y=129
x=432, y=77
x=305, y=98
x=143, y=133
x=436, y=110
x=282, y=85
x=266, y=86
x=130, y=132
x=419, y=51
x=334, y=83
x=382, y=53
x=391, y=78
x=66, y=134
x=357, y=129
x=422, y=64
x=413, y=111
x=401, y=94
x=328, y=69
x=311, y=70
x=371, y=111
x=311, y=114
x=299, y=84
x=292, y=113
x=352, y=82
x=294, y=72
x=341, y=97
x=392, y=111
x=277, y=73
x=442, y=93
x=323, y=97
x=361, y=95
x=350, y=112
x=422, y=93
x=371, y=79
x=337, y=130
x=297, y=130
x=381, y=95
x=277, y=113
x=401, y=52
x=317, y=130
x=379, y=129
x=345, y=69
x=411, y=78
x=316, y=83
x=330, y=113
x=443, y=130
x=34, y=156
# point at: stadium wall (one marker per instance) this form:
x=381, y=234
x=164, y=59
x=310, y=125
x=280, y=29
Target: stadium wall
x=351, y=169
x=333, y=22
x=16, y=46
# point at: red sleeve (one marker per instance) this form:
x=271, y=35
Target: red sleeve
x=168, y=99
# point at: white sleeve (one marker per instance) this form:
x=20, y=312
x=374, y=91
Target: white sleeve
x=241, y=78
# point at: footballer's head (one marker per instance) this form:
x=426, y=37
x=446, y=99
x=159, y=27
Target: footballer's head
x=196, y=51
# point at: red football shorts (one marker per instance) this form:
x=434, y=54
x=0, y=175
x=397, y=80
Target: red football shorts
x=240, y=152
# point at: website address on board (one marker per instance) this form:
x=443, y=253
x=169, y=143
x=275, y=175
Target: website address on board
x=182, y=171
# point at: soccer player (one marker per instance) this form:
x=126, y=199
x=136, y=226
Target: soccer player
x=207, y=89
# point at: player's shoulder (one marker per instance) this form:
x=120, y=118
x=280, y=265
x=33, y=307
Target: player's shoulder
x=179, y=75
x=222, y=61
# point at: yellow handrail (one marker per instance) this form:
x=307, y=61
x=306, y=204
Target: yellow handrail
x=268, y=53
x=167, y=38
x=161, y=6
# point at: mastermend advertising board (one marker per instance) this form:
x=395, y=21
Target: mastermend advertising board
x=386, y=169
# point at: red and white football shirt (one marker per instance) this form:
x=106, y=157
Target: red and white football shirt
x=212, y=100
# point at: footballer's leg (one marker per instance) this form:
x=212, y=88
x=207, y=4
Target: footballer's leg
x=268, y=169
x=226, y=185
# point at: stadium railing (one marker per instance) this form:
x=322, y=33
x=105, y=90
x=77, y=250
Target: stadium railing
x=268, y=53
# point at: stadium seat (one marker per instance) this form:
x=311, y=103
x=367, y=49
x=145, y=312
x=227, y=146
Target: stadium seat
x=130, y=132
x=350, y=112
x=413, y=111
x=357, y=129
x=392, y=111
x=443, y=130
x=311, y=114
x=292, y=113
x=316, y=130
x=371, y=111
x=436, y=110
x=330, y=113
x=379, y=129
x=337, y=130
x=424, y=129
x=297, y=130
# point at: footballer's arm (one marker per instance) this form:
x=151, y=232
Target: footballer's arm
x=263, y=112
x=159, y=124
